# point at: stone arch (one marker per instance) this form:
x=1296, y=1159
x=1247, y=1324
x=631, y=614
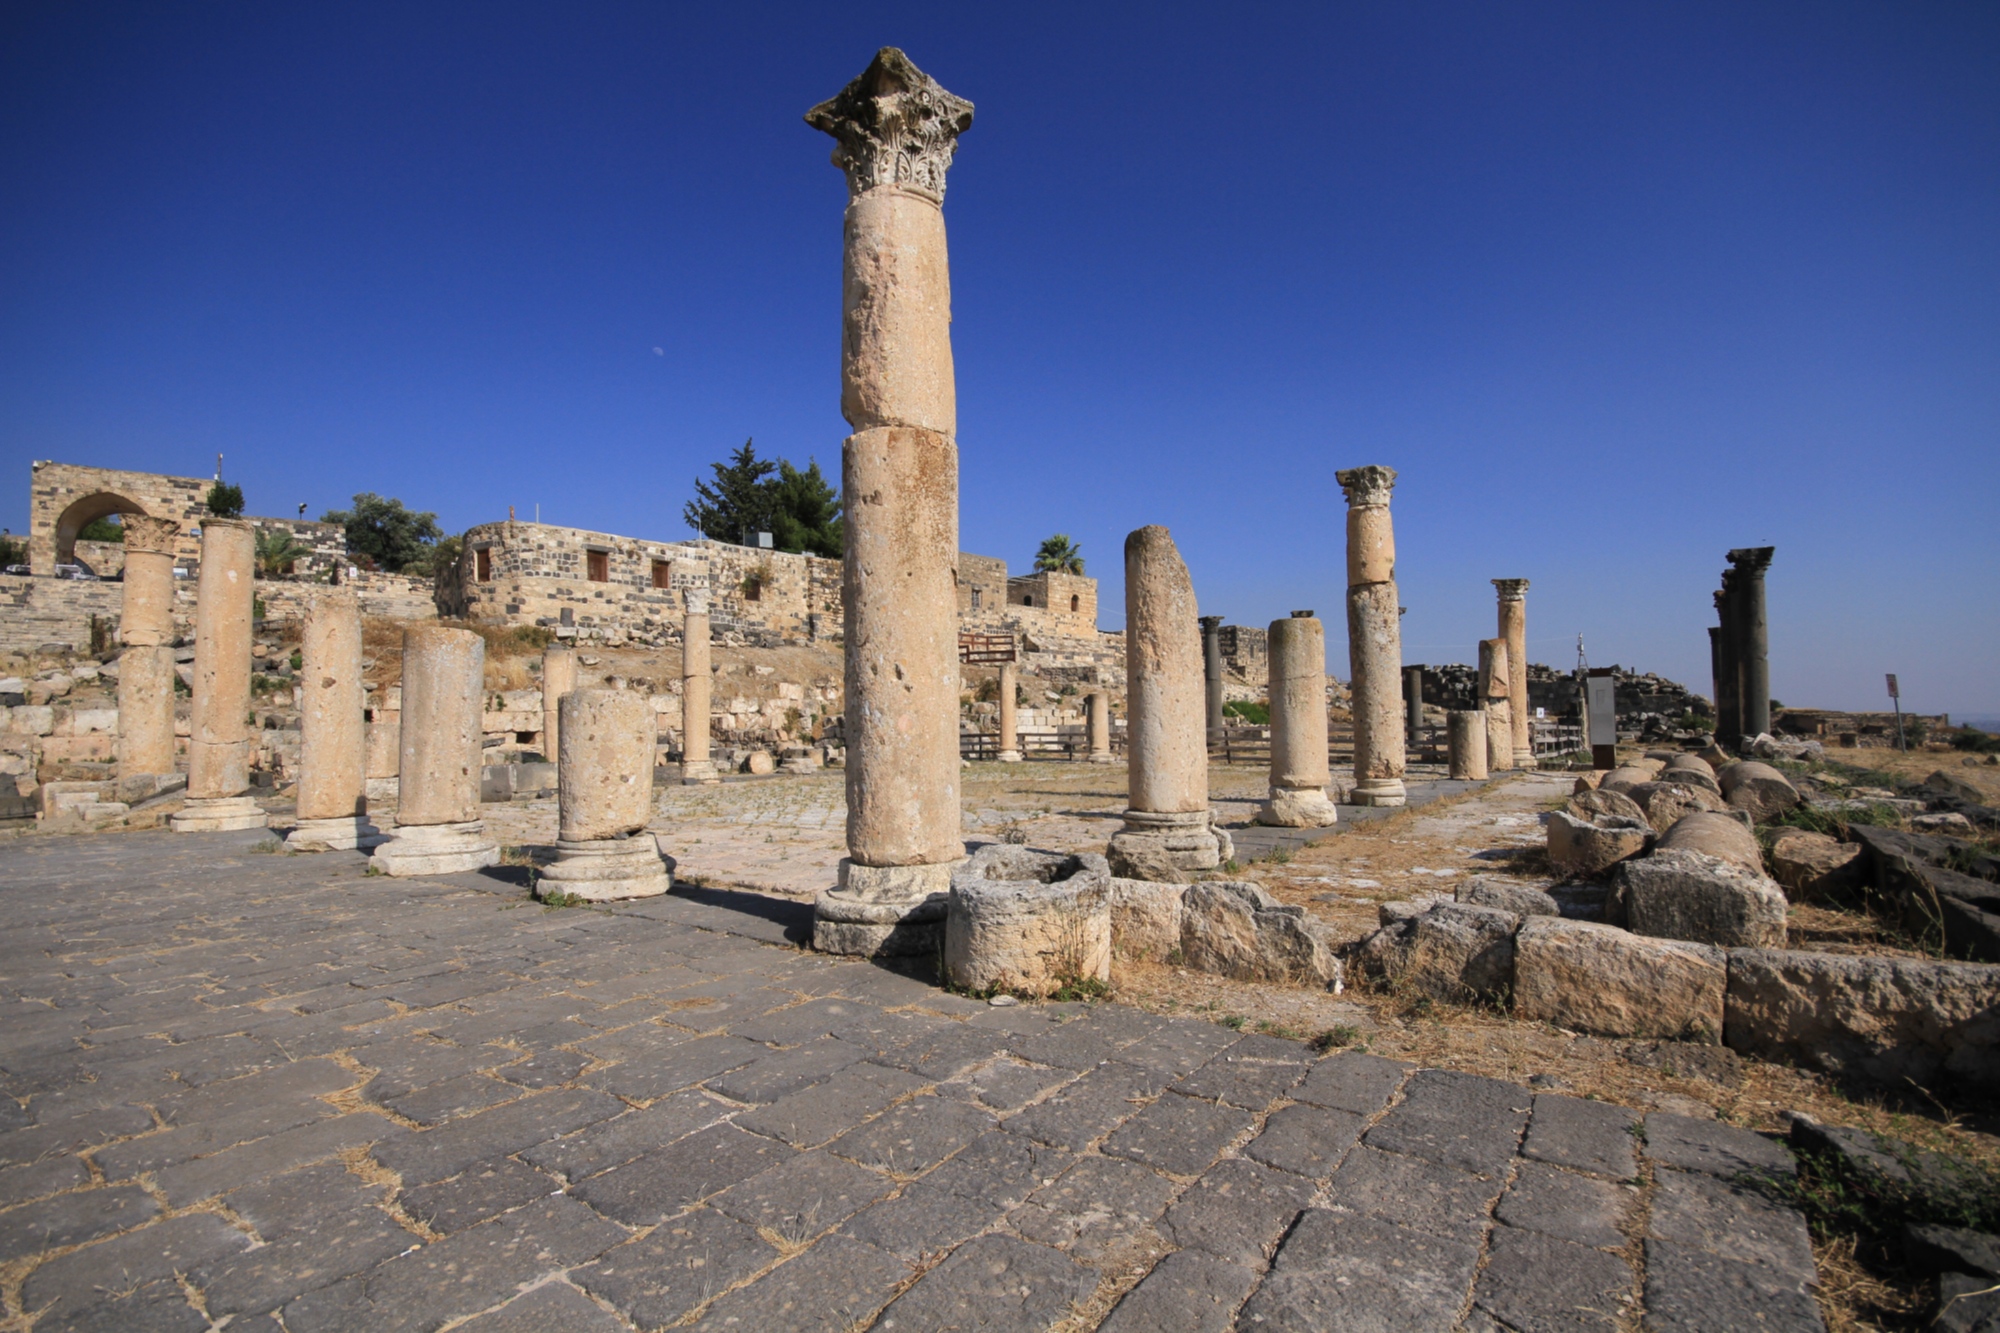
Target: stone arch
x=81, y=514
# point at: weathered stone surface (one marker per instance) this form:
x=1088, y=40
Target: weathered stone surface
x=605, y=768
x=1893, y=1021
x=1624, y=778
x=1535, y=1280
x=1374, y=637
x=1813, y=866
x=1582, y=848
x=1299, y=770
x=1691, y=771
x=1662, y=804
x=1028, y=922
x=1683, y=895
x=1467, y=741
x=1189, y=1290
x=1596, y=978
x=1759, y=789
x=1145, y=919
x=1240, y=931
x=1594, y=803
x=1507, y=895
x=1168, y=848
x=1717, y=834
x=1512, y=595
x=1455, y=951
x=1714, y=1148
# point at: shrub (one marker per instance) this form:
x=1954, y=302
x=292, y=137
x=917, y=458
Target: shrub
x=1257, y=714
x=225, y=500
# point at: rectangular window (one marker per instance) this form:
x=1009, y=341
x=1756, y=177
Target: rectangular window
x=599, y=563
x=485, y=563
x=753, y=591
x=663, y=574
x=975, y=599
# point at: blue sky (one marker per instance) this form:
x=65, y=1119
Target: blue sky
x=1614, y=287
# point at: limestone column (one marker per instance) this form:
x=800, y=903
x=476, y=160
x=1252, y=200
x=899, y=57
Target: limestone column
x=1413, y=705
x=1753, y=637
x=1728, y=676
x=604, y=779
x=1211, y=670
x=1715, y=672
x=558, y=679
x=1467, y=738
x=1496, y=688
x=333, y=749
x=1514, y=629
x=1100, y=727
x=438, y=830
x=1169, y=830
x=1374, y=637
x=219, y=735
x=697, y=683
x=146, y=666
x=1010, y=739
x=896, y=131
x=1299, y=769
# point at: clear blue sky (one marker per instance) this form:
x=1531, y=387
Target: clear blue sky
x=1614, y=287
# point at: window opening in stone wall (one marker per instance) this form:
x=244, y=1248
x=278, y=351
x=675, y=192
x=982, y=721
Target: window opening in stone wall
x=598, y=565
x=1027, y=601
x=753, y=591
x=1075, y=602
x=483, y=558
x=975, y=599
x=663, y=574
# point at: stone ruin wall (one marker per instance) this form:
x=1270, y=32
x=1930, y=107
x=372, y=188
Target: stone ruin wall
x=48, y=614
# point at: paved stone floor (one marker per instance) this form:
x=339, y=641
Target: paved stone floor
x=260, y=1091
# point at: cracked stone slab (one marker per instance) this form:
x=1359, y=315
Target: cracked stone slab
x=914, y=1136
x=1441, y=1200
x=803, y=1197
x=820, y=1113
x=1237, y=1210
x=481, y=1191
x=1576, y=1208
x=1455, y=1119
x=1179, y=1135
x=1340, y=1270
x=1700, y=1212
x=1190, y=1291
x=1098, y=1206
x=1691, y=1289
x=1584, y=1135
x=1350, y=1081
x=648, y=1189
x=1089, y=1108
x=1537, y=1281
x=619, y=1139
x=1693, y=1144
x=836, y=1285
x=295, y=1262
x=994, y=1283
x=1306, y=1140
x=674, y=1268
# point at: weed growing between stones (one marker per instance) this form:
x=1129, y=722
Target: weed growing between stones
x=1334, y=1038
x=560, y=899
x=268, y=847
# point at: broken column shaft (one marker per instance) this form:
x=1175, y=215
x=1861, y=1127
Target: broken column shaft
x=697, y=683
x=219, y=737
x=1514, y=629
x=438, y=830
x=1495, y=694
x=604, y=778
x=558, y=679
x=1374, y=637
x=1010, y=737
x=1299, y=768
x=146, y=666
x=1099, y=702
x=333, y=749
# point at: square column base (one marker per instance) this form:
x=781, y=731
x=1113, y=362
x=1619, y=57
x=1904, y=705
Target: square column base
x=352, y=833
x=1524, y=759
x=219, y=814
x=437, y=849
x=1168, y=848
x=699, y=771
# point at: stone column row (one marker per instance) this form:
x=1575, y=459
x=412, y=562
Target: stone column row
x=1740, y=649
x=438, y=830
x=333, y=745
x=1374, y=637
x=146, y=666
x=219, y=731
x=1299, y=768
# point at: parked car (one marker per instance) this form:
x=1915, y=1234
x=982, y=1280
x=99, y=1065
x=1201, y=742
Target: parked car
x=75, y=572
x=16, y=569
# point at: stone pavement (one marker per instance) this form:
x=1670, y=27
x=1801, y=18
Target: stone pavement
x=277, y=1092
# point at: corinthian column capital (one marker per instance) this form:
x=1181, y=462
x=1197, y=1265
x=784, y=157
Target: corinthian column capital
x=1512, y=590
x=1367, y=486
x=895, y=127
x=1752, y=560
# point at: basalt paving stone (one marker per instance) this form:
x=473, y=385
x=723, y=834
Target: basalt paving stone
x=405, y=1064
x=1454, y=1119
x=1098, y=1206
x=803, y=1197
x=70, y=1219
x=187, y=1141
x=832, y=1287
x=160, y=1306
x=545, y=1069
x=1090, y=1107
x=964, y=1196
x=658, y=1278
x=803, y=1023
x=820, y=1113
x=994, y=1283
x=299, y=1081
x=1345, y=1271
x=663, y=1182
x=1585, y=1135
x=1190, y=1046
x=35, y=1180
x=298, y=1198
x=459, y=1275
x=190, y=1182
x=1305, y=1140
x=1711, y=1146
x=639, y=1041
x=612, y=1142
x=452, y=1099
x=483, y=1190
x=777, y=1074
x=88, y=1276
x=878, y=1031
x=914, y=1136
x=1236, y=1210
x=74, y=1134
x=1189, y=1291
x=944, y=1053
x=1441, y=1200
x=1252, y=1073
x=1082, y=1043
x=437, y=1154
x=1699, y=1211
x=678, y=1067
x=553, y=1307
x=1571, y=1207
x=1534, y=1281
x=295, y=1262
x=1179, y=1135
x=1004, y=1084
x=1353, y=1082
x=1693, y=1290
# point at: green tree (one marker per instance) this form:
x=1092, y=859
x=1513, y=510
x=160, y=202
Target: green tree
x=101, y=530
x=440, y=558
x=225, y=500
x=806, y=511
x=1059, y=555
x=739, y=503
x=13, y=551
x=395, y=538
x=277, y=552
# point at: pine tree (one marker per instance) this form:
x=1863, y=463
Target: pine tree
x=807, y=511
x=740, y=502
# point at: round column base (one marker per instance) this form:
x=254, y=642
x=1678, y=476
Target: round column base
x=1298, y=807
x=697, y=771
x=1524, y=759
x=346, y=834
x=1102, y=757
x=1009, y=756
x=219, y=814
x=1380, y=791
x=1168, y=848
x=437, y=849
x=607, y=868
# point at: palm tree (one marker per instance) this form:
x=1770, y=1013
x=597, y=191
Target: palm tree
x=1059, y=555
x=277, y=552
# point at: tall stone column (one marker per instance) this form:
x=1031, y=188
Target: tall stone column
x=1099, y=702
x=558, y=679
x=1374, y=637
x=1169, y=830
x=1715, y=671
x=1496, y=689
x=1514, y=629
x=1299, y=769
x=1753, y=637
x=697, y=685
x=146, y=666
x=1211, y=671
x=438, y=830
x=1466, y=737
x=219, y=735
x=1010, y=737
x=604, y=791
x=896, y=131
x=333, y=748
x=1413, y=705
x=1728, y=675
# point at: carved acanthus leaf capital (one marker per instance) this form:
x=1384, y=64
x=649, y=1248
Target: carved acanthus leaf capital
x=1752, y=559
x=895, y=127
x=696, y=596
x=1512, y=590
x=1365, y=486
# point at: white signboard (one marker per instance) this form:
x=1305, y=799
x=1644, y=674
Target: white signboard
x=1600, y=696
